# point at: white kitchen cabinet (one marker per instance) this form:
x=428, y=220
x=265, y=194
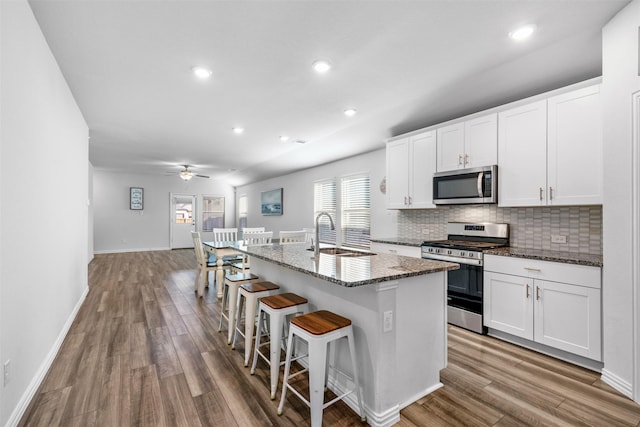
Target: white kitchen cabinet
x=393, y=249
x=468, y=144
x=555, y=304
x=410, y=167
x=574, y=166
x=550, y=151
x=522, y=154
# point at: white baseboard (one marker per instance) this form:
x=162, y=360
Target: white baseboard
x=618, y=383
x=28, y=394
x=121, y=251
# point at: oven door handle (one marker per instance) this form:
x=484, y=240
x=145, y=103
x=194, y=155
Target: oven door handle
x=480, y=178
x=476, y=262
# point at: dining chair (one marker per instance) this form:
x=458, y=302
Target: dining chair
x=288, y=237
x=225, y=234
x=258, y=238
x=252, y=230
x=310, y=233
x=205, y=264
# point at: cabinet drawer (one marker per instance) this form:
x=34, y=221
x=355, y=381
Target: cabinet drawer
x=388, y=248
x=545, y=270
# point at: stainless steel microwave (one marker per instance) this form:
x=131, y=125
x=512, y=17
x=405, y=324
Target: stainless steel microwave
x=466, y=186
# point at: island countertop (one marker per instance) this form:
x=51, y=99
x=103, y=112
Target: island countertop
x=346, y=271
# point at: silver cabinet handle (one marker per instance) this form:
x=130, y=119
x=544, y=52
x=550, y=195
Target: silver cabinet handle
x=410, y=200
x=541, y=193
x=405, y=200
x=550, y=193
x=538, y=293
x=528, y=291
x=480, y=178
x=533, y=269
x=459, y=159
x=466, y=159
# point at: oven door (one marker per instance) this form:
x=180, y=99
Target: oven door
x=465, y=288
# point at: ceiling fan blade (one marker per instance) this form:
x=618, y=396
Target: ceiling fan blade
x=201, y=176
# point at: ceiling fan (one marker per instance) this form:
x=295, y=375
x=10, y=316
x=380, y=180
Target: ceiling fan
x=187, y=174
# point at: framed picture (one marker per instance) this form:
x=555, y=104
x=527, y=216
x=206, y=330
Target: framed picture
x=271, y=202
x=136, y=198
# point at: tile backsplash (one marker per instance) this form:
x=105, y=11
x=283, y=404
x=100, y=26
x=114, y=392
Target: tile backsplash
x=529, y=228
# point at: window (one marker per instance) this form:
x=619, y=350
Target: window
x=324, y=200
x=356, y=210
x=242, y=211
x=352, y=215
x=212, y=212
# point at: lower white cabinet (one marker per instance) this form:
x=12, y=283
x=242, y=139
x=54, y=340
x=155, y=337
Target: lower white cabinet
x=555, y=304
x=389, y=248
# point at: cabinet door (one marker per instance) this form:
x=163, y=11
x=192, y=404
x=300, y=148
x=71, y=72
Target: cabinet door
x=568, y=317
x=451, y=147
x=481, y=141
x=522, y=150
x=397, y=173
x=508, y=304
x=422, y=166
x=575, y=148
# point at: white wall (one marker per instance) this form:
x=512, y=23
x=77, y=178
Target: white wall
x=119, y=229
x=43, y=219
x=620, y=80
x=297, y=203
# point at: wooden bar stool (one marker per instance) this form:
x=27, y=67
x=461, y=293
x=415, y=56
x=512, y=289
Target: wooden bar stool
x=230, y=298
x=319, y=329
x=278, y=307
x=248, y=297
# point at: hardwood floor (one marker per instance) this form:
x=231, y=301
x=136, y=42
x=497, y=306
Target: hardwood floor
x=145, y=351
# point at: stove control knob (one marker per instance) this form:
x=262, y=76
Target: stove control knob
x=471, y=255
x=449, y=252
x=462, y=253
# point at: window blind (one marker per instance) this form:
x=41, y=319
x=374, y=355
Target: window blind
x=356, y=210
x=212, y=212
x=324, y=200
x=243, y=210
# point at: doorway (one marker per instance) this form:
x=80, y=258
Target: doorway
x=183, y=207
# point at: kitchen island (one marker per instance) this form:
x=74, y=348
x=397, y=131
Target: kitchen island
x=398, y=308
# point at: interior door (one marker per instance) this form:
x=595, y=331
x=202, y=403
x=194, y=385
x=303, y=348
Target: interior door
x=183, y=207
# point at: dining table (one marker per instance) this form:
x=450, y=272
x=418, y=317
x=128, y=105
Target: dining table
x=221, y=249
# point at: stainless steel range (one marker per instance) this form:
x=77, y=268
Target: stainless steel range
x=465, y=245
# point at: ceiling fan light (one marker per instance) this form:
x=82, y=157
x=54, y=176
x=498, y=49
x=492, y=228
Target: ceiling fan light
x=186, y=175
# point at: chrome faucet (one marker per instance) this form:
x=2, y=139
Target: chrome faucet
x=316, y=247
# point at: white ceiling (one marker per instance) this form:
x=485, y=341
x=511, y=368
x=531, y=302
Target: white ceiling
x=402, y=64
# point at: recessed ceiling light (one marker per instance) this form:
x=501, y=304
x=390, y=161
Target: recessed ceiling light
x=321, y=66
x=349, y=112
x=238, y=130
x=522, y=33
x=284, y=138
x=202, y=72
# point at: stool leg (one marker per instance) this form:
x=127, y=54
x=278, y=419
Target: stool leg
x=276, y=321
x=233, y=299
x=317, y=366
x=287, y=366
x=238, y=316
x=261, y=314
x=249, y=324
x=356, y=378
x=222, y=306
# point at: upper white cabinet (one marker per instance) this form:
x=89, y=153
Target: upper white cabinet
x=522, y=150
x=468, y=144
x=574, y=146
x=550, y=151
x=411, y=163
x=555, y=304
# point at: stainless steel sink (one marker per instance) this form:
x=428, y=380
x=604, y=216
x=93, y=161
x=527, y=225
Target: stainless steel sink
x=342, y=252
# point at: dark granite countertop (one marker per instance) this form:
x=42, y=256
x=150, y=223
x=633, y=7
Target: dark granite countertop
x=404, y=241
x=346, y=270
x=553, y=256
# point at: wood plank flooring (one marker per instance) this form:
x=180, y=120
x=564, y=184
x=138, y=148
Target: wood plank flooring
x=145, y=351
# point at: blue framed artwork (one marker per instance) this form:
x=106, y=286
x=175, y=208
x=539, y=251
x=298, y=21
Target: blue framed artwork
x=271, y=202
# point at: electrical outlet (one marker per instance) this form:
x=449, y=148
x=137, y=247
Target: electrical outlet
x=558, y=238
x=387, y=323
x=7, y=364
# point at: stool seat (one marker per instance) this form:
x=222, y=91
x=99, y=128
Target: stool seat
x=280, y=301
x=259, y=287
x=239, y=277
x=321, y=322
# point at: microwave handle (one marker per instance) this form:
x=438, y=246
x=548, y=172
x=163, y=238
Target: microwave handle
x=480, y=178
